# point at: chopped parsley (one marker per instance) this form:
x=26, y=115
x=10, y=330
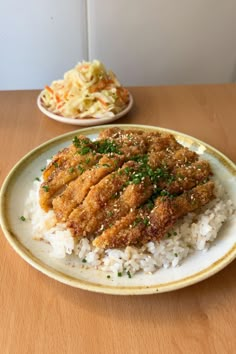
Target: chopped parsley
x=37, y=179
x=146, y=221
x=80, y=168
x=84, y=260
x=139, y=220
x=22, y=218
x=119, y=274
x=150, y=204
x=83, y=145
x=106, y=147
x=110, y=213
x=46, y=188
x=85, y=150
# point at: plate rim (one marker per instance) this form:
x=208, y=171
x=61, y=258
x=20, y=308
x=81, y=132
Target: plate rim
x=96, y=287
x=84, y=122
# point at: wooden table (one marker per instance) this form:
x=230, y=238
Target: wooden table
x=40, y=315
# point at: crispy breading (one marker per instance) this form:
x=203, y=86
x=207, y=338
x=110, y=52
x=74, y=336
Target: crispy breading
x=138, y=227
x=185, y=178
x=61, y=159
x=179, y=157
x=157, y=141
x=130, y=142
x=77, y=190
x=97, y=198
x=168, y=210
x=130, y=199
x=126, y=188
x=64, y=174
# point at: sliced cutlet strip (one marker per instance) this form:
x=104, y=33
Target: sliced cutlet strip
x=117, y=235
x=129, y=142
x=98, y=197
x=168, y=210
x=146, y=186
x=77, y=190
x=130, y=199
x=172, y=159
x=186, y=177
x=115, y=133
x=157, y=141
x=138, y=227
x=71, y=169
x=62, y=157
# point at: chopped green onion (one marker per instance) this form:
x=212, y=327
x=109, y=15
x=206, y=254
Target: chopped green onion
x=46, y=188
x=129, y=275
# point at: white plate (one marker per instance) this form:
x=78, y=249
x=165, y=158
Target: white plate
x=85, y=121
x=195, y=268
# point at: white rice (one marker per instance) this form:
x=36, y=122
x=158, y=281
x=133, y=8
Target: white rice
x=195, y=232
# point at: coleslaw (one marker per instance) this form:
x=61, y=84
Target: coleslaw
x=87, y=91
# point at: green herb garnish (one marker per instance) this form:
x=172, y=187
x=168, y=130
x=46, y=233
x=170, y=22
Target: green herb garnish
x=22, y=218
x=106, y=147
x=146, y=221
x=110, y=213
x=85, y=150
x=80, y=168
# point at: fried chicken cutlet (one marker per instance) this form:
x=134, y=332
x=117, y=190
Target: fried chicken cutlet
x=125, y=188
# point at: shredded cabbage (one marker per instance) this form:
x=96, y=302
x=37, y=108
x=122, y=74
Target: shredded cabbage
x=86, y=91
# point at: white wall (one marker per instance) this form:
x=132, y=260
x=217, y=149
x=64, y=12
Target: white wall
x=39, y=40
x=148, y=42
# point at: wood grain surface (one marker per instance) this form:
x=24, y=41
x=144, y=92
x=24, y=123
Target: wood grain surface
x=40, y=315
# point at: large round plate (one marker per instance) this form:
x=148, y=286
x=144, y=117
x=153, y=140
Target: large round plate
x=85, y=121
x=195, y=268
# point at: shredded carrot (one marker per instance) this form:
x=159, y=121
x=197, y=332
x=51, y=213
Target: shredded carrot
x=57, y=98
x=84, y=66
x=102, y=102
x=99, y=86
x=49, y=89
x=60, y=106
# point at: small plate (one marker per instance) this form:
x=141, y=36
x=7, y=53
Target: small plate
x=84, y=121
x=195, y=268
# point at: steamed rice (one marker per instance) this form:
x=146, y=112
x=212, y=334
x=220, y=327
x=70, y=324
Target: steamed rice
x=195, y=232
